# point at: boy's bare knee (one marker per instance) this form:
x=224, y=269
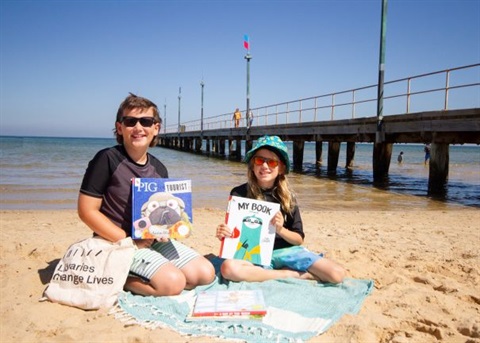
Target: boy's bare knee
x=168, y=284
x=206, y=274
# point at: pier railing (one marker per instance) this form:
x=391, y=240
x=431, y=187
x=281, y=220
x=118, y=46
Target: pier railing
x=454, y=88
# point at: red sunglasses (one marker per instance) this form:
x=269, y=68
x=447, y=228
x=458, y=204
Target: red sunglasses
x=259, y=161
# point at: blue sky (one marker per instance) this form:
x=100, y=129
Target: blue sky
x=65, y=66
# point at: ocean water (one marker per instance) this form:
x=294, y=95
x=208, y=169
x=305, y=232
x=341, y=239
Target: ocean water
x=45, y=173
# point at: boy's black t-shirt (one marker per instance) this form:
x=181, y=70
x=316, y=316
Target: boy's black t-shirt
x=109, y=176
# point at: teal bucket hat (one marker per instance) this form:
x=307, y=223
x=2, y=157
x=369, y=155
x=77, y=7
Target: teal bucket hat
x=273, y=143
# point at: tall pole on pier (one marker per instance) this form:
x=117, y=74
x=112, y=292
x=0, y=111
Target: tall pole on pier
x=179, y=99
x=382, y=151
x=248, y=57
x=202, y=84
x=165, y=117
x=380, y=134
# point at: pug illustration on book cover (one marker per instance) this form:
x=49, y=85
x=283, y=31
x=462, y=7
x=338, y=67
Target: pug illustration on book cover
x=161, y=208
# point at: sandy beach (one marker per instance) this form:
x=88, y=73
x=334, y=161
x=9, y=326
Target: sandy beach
x=425, y=265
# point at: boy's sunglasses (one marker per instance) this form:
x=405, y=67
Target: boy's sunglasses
x=132, y=121
x=259, y=161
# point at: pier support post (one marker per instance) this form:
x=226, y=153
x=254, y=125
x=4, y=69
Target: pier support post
x=207, y=147
x=238, y=150
x=221, y=148
x=382, y=154
x=350, y=154
x=318, y=152
x=298, y=147
x=198, y=145
x=438, y=168
x=333, y=153
x=248, y=145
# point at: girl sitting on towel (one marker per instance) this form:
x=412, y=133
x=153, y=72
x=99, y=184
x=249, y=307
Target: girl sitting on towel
x=268, y=164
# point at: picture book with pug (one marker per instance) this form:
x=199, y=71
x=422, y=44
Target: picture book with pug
x=252, y=234
x=161, y=208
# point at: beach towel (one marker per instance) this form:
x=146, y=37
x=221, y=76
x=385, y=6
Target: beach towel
x=297, y=310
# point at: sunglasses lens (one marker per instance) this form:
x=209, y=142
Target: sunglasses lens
x=258, y=161
x=272, y=163
x=129, y=121
x=147, y=121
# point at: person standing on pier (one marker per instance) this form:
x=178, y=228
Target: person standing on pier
x=249, y=119
x=268, y=163
x=237, y=115
x=159, y=268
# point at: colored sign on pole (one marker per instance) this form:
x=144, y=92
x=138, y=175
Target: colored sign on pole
x=246, y=43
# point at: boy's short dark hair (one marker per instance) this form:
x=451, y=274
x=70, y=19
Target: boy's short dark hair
x=133, y=101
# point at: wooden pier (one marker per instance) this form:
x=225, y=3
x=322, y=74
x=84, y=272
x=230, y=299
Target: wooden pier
x=351, y=116
x=439, y=128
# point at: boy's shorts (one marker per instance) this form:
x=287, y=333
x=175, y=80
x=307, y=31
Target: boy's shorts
x=147, y=261
x=296, y=257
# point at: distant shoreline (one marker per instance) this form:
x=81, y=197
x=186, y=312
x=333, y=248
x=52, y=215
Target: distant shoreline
x=307, y=142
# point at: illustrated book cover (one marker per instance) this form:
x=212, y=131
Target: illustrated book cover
x=253, y=236
x=161, y=208
x=228, y=305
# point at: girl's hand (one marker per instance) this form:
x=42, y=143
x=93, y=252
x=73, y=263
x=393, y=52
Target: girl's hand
x=223, y=231
x=143, y=243
x=278, y=222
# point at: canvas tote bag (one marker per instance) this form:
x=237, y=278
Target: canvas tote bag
x=92, y=273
